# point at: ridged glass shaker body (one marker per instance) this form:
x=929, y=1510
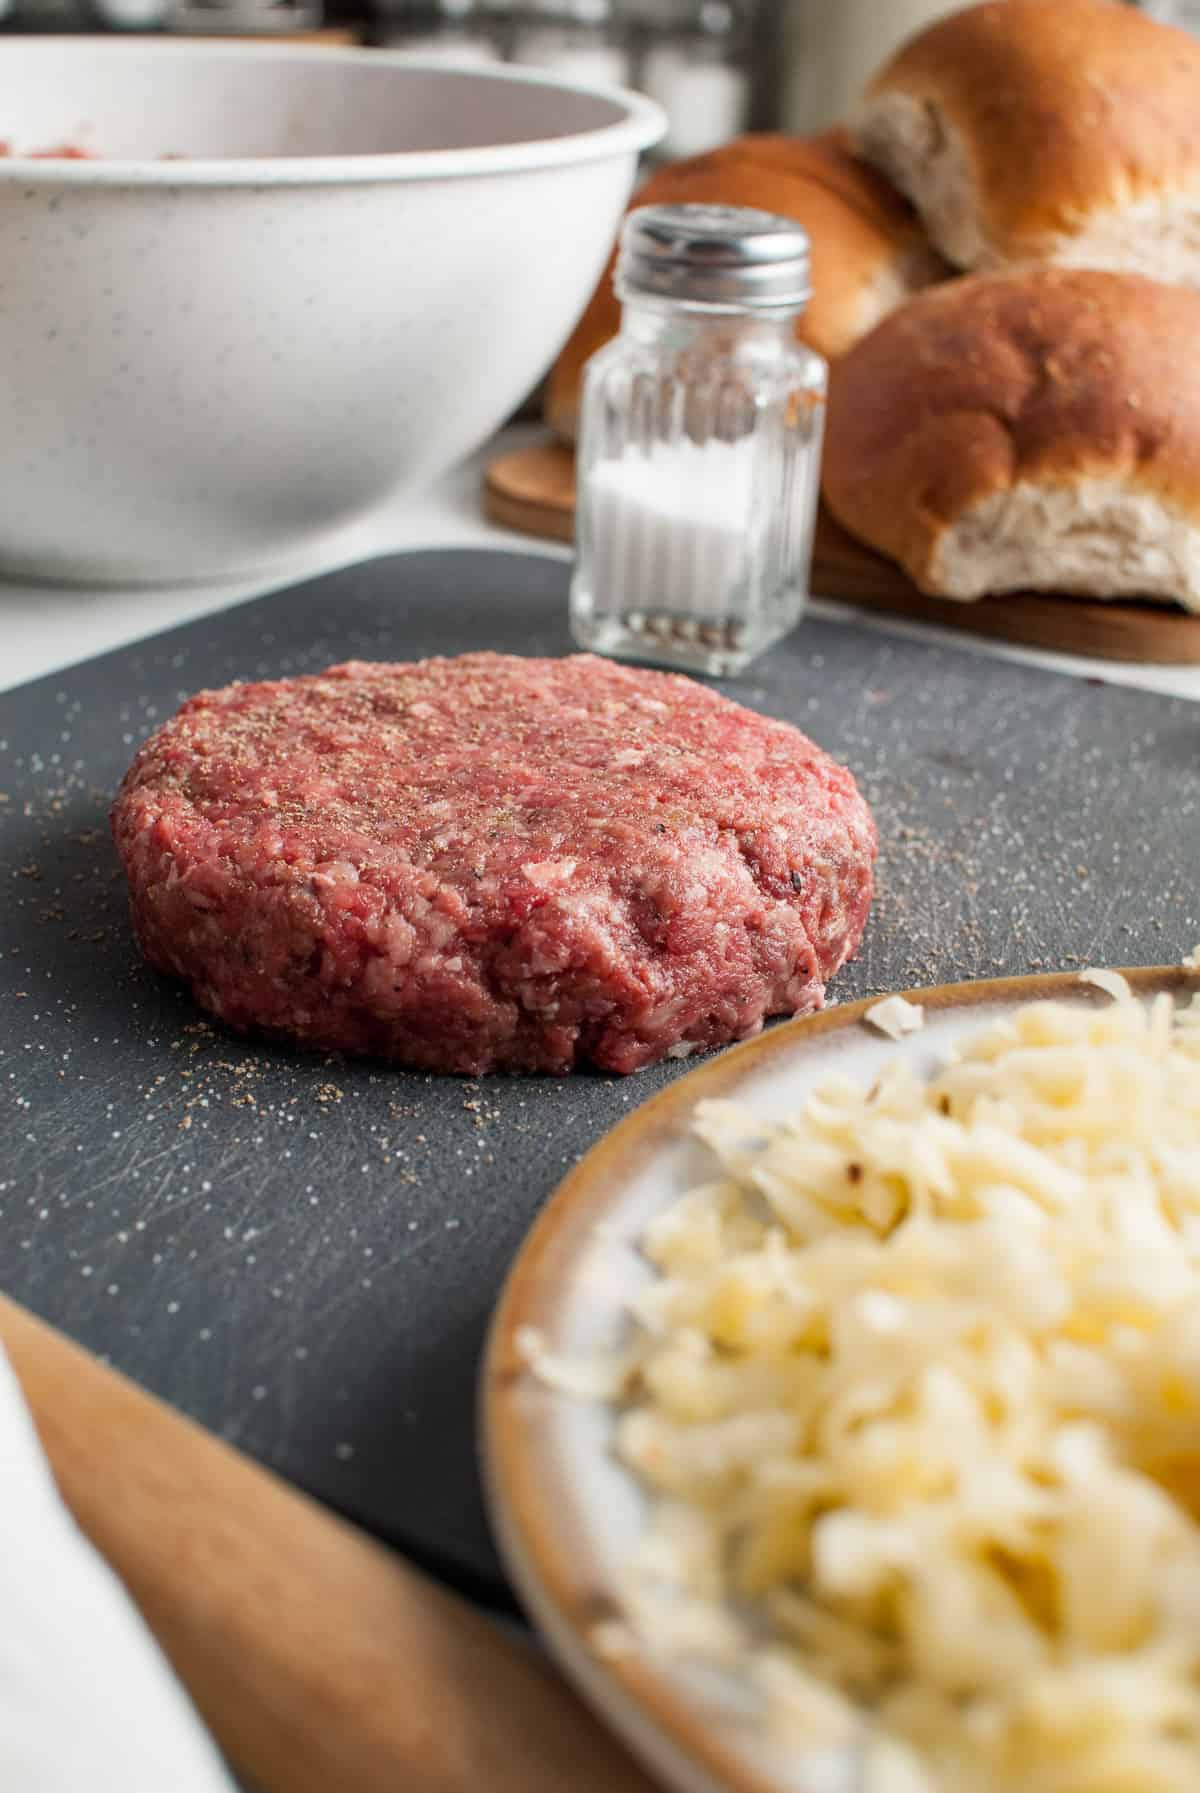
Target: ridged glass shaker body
x=699, y=446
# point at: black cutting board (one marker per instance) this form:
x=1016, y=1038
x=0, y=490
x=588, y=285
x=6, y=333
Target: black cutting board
x=303, y=1253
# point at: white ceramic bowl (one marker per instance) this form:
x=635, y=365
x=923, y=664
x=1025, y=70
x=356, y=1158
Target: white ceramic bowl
x=357, y=268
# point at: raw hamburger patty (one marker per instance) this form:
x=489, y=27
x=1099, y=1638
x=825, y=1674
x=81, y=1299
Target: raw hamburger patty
x=490, y=863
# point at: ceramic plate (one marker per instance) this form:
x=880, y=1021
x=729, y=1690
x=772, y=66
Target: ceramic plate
x=565, y=1512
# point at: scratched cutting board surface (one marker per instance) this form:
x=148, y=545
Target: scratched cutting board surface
x=302, y=1253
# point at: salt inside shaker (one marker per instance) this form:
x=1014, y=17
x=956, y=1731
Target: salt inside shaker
x=699, y=444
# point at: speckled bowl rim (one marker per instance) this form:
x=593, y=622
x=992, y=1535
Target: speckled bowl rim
x=637, y=123
x=542, y=1539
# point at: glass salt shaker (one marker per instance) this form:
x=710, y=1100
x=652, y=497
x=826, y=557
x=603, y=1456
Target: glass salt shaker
x=699, y=444
x=578, y=40
x=456, y=32
x=695, y=63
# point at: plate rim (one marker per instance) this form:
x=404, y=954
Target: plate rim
x=643, y=1701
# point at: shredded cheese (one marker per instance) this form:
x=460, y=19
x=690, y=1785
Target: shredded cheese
x=895, y=1017
x=916, y=1393
x=599, y=1379
x=1111, y=982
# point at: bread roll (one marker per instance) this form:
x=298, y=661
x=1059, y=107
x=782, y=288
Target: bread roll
x=1046, y=130
x=1036, y=429
x=868, y=250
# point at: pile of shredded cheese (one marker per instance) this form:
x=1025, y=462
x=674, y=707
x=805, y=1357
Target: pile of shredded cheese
x=917, y=1390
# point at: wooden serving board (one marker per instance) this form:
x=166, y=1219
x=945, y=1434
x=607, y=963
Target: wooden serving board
x=316, y=1658
x=533, y=490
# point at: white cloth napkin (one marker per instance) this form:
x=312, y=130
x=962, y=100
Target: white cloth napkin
x=88, y=1703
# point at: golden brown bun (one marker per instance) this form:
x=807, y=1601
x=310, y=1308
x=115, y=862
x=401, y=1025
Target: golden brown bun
x=1046, y=130
x=868, y=250
x=1035, y=429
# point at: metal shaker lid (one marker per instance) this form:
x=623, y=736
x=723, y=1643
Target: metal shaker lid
x=715, y=255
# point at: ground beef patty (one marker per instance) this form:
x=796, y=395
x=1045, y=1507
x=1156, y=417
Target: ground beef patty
x=490, y=863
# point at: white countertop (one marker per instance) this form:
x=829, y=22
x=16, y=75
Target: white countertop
x=45, y=627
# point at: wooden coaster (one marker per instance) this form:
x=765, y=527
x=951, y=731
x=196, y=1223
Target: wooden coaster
x=533, y=490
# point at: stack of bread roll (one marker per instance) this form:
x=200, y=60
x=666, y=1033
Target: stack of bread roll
x=1006, y=257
